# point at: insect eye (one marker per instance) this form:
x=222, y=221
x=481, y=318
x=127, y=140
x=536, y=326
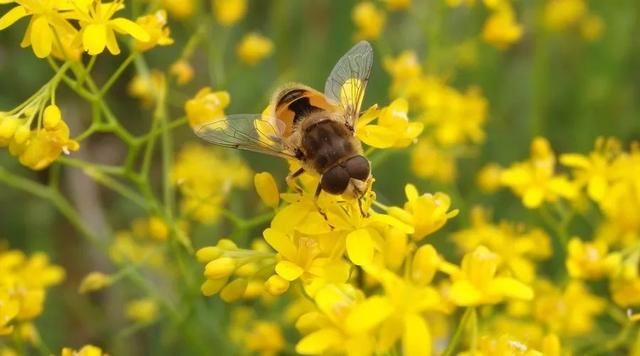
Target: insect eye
x=358, y=168
x=335, y=180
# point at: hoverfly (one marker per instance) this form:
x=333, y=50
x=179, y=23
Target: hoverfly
x=316, y=129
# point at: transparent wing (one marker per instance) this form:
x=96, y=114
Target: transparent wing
x=348, y=80
x=252, y=132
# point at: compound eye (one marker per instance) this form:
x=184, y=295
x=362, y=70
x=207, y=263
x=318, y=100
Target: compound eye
x=335, y=180
x=358, y=168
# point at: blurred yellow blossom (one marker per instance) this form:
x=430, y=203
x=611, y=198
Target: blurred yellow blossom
x=94, y=281
x=206, y=106
x=488, y=179
x=560, y=14
x=228, y=12
x=179, y=9
x=568, y=312
x=503, y=345
x=145, y=87
x=501, y=28
x=253, y=48
x=142, y=310
x=590, y=260
x=87, y=350
x=182, y=70
x=591, y=27
x=476, y=282
x=155, y=25
x=368, y=19
x=23, y=284
x=535, y=181
x=429, y=161
x=204, y=190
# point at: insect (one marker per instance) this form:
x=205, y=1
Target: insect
x=314, y=128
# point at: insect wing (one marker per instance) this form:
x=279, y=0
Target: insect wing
x=348, y=80
x=252, y=132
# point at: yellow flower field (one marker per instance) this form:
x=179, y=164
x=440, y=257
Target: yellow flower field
x=464, y=181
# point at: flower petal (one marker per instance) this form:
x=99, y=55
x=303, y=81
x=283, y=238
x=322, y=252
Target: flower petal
x=416, y=340
x=41, y=37
x=12, y=16
x=289, y=270
x=123, y=25
x=360, y=247
x=94, y=38
x=368, y=314
x=318, y=342
x=280, y=242
x=112, y=43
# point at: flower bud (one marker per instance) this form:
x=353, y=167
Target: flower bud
x=94, y=281
x=267, y=189
x=234, y=290
x=220, y=268
x=8, y=127
x=22, y=134
x=52, y=116
x=208, y=254
x=212, y=286
x=276, y=285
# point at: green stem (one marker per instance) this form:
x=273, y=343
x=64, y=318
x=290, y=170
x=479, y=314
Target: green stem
x=455, y=339
x=114, y=77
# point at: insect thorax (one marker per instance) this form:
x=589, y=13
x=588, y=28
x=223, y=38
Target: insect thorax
x=326, y=142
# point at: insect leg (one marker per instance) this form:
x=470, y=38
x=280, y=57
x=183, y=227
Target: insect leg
x=315, y=201
x=291, y=179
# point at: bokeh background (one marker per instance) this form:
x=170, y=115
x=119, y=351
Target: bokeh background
x=570, y=83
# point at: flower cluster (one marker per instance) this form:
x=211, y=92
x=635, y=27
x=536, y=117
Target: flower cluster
x=203, y=189
x=65, y=29
x=452, y=120
x=501, y=29
x=23, y=287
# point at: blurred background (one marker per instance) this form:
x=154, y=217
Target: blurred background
x=569, y=73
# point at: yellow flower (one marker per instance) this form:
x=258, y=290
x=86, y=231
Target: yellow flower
x=87, y=350
x=501, y=28
x=206, y=106
x=9, y=308
x=267, y=189
x=343, y=323
x=145, y=87
x=429, y=161
x=253, y=48
x=98, y=28
x=590, y=260
x=155, y=26
x=597, y=170
x=204, y=190
x=488, y=179
x=182, y=70
x=476, y=283
x=626, y=291
x=94, y=281
x=393, y=128
x=560, y=14
x=518, y=247
x=179, y=9
x=265, y=338
x=47, y=22
x=571, y=312
x=228, y=12
x=535, y=180
x=406, y=72
x=142, y=310
x=301, y=257
x=427, y=213
x=456, y=3
x=44, y=146
x=368, y=19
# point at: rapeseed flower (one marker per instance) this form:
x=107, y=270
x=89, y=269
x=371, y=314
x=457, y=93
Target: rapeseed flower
x=155, y=26
x=253, y=48
x=206, y=106
x=228, y=12
x=369, y=20
x=86, y=350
